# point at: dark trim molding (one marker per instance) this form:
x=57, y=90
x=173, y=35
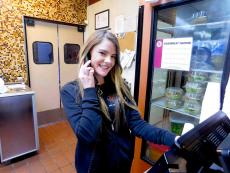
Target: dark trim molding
x=52, y=21
x=138, y=52
x=26, y=49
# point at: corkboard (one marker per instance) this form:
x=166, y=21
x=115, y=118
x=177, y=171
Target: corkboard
x=128, y=41
x=12, y=55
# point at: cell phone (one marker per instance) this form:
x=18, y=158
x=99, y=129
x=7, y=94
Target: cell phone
x=87, y=58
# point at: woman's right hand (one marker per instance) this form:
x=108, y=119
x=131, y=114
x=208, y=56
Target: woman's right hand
x=86, y=75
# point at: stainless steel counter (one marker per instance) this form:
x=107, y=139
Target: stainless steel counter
x=16, y=89
x=18, y=122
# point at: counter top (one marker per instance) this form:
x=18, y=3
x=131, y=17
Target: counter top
x=16, y=89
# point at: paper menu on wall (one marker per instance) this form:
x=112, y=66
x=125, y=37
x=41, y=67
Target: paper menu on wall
x=173, y=53
x=125, y=24
x=119, y=24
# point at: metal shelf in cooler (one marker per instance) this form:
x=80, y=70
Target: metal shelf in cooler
x=192, y=27
x=161, y=102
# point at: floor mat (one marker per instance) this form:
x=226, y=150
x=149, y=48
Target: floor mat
x=50, y=117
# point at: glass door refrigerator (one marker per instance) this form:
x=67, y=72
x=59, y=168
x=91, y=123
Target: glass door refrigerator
x=188, y=48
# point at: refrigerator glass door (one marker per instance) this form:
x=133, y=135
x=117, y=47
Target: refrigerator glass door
x=193, y=39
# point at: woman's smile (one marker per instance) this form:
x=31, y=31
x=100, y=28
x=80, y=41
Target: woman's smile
x=103, y=58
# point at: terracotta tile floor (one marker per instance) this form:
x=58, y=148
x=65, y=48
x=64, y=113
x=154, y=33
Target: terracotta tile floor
x=56, y=153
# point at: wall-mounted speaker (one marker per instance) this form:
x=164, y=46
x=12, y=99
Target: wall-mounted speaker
x=81, y=28
x=30, y=22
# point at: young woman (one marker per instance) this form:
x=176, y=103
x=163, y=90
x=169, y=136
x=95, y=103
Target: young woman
x=102, y=111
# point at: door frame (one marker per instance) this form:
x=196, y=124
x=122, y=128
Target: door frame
x=47, y=116
x=27, y=20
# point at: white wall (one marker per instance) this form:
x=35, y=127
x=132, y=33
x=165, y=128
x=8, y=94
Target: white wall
x=128, y=9
x=116, y=7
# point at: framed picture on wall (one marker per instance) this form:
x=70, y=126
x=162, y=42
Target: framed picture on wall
x=102, y=19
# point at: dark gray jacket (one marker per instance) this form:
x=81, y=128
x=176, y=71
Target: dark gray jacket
x=101, y=150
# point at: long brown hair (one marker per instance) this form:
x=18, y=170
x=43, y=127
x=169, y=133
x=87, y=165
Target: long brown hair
x=123, y=95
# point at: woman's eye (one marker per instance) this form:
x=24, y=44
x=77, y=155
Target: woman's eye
x=102, y=53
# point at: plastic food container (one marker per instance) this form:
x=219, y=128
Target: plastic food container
x=198, y=77
x=194, y=87
x=203, y=54
x=177, y=127
x=218, y=54
x=215, y=77
x=174, y=93
x=199, y=17
x=174, y=104
x=218, y=61
x=193, y=96
x=201, y=65
x=192, y=107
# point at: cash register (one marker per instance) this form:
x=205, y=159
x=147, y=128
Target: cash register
x=204, y=149
x=223, y=151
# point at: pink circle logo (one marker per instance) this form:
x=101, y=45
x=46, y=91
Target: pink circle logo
x=159, y=43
